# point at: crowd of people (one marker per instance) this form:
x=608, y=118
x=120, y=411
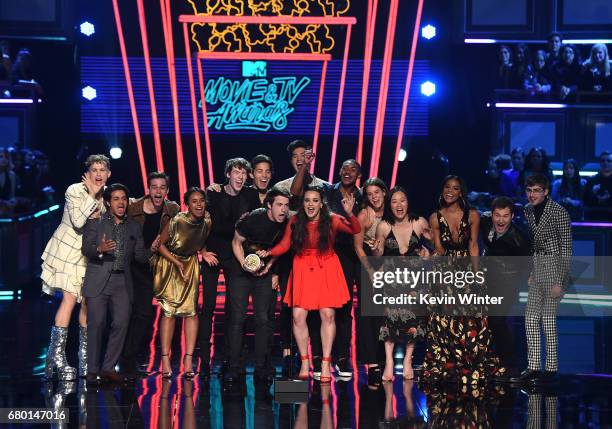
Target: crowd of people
x=306, y=240
x=26, y=182
x=588, y=199
x=557, y=72
x=16, y=76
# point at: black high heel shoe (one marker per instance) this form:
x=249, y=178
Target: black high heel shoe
x=189, y=374
x=166, y=374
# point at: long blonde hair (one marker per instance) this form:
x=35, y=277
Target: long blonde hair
x=591, y=62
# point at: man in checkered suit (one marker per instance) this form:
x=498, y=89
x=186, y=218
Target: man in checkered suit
x=550, y=227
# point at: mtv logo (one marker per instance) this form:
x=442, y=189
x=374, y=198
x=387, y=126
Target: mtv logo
x=254, y=69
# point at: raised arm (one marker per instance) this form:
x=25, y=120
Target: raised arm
x=80, y=206
x=348, y=225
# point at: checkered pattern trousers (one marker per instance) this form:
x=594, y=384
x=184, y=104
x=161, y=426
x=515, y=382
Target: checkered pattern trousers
x=534, y=411
x=541, y=314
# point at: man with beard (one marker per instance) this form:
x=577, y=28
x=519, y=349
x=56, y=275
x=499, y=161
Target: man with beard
x=350, y=172
x=260, y=229
x=551, y=231
x=225, y=208
x=152, y=212
x=301, y=159
x=504, y=244
x=110, y=243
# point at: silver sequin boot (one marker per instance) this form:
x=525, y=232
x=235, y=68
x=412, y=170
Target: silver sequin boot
x=56, y=356
x=83, y=351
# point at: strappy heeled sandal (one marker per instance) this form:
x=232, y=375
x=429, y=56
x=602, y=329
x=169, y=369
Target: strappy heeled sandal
x=326, y=379
x=307, y=376
x=166, y=374
x=189, y=374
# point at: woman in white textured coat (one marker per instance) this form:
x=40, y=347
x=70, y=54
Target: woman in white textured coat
x=63, y=267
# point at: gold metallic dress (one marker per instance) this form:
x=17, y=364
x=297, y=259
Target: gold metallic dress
x=175, y=296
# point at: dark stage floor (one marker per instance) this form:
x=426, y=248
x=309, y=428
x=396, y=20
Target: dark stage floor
x=580, y=401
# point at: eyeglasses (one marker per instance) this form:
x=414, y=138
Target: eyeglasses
x=535, y=191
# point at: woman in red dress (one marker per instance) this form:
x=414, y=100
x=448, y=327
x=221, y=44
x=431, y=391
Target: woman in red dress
x=316, y=281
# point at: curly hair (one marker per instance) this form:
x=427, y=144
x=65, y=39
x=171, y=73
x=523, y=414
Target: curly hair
x=299, y=229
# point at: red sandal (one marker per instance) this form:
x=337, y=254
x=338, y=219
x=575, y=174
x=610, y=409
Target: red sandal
x=326, y=379
x=307, y=376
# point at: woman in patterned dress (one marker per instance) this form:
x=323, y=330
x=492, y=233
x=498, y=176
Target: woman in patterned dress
x=400, y=234
x=458, y=347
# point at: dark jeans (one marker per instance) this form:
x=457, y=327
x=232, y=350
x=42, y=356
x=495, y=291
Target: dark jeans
x=503, y=336
x=260, y=288
x=284, y=319
x=141, y=322
x=210, y=279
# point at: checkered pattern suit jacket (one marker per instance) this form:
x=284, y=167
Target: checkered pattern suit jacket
x=552, y=244
x=63, y=264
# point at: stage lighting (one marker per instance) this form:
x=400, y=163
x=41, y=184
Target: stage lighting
x=89, y=93
x=87, y=28
x=428, y=88
x=428, y=32
x=402, y=155
x=115, y=152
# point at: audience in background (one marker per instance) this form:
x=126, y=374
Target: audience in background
x=596, y=74
x=26, y=182
x=535, y=162
x=7, y=65
x=521, y=67
x=557, y=72
x=509, y=181
x=504, y=70
x=8, y=182
x=537, y=78
x=555, y=41
x=566, y=72
x=567, y=190
x=598, y=190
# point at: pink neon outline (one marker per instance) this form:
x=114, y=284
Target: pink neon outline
x=384, y=87
x=348, y=21
x=332, y=161
x=145, y=49
x=167, y=27
x=128, y=81
x=315, y=139
x=205, y=121
x=228, y=19
x=263, y=56
x=400, y=136
x=194, y=109
x=367, y=63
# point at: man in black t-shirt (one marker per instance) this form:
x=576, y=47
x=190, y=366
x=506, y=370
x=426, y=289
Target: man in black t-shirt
x=226, y=208
x=260, y=229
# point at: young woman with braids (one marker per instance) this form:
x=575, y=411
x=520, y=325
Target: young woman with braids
x=316, y=281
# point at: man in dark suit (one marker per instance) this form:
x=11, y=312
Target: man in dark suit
x=110, y=243
x=551, y=230
x=505, y=249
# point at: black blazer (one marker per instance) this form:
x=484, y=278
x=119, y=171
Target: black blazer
x=99, y=269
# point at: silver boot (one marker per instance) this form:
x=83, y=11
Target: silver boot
x=82, y=351
x=56, y=356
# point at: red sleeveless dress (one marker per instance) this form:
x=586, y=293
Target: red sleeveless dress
x=316, y=279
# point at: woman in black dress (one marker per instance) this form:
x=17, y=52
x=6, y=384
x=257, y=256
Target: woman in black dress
x=400, y=234
x=458, y=347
